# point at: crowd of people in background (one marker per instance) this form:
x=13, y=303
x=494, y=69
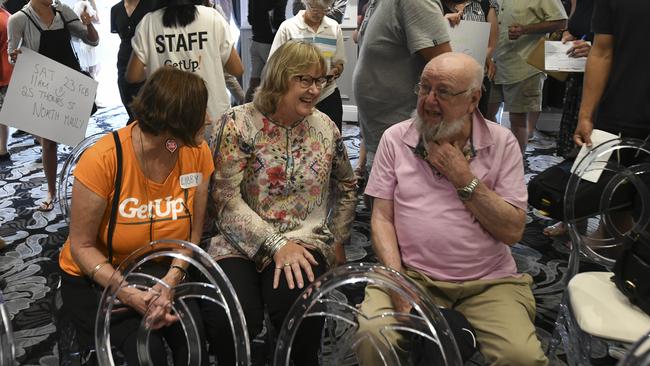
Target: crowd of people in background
x=445, y=182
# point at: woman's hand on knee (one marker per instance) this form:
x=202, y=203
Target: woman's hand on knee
x=290, y=259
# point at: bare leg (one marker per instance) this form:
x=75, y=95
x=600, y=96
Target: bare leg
x=519, y=129
x=532, y=123
x=4, y=135
x=360, y=169
x=493, y=109
x=252, y=84
x=49, y=166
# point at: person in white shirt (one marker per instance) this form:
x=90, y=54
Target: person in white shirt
x=189, y=37
x=311, y=25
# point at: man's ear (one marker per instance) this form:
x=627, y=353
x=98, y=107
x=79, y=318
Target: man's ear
x=474, y=99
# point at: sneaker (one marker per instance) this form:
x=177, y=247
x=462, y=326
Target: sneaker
x=19, y=133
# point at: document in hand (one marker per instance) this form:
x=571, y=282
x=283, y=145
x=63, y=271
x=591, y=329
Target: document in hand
x=597, y=137
x=556, y=58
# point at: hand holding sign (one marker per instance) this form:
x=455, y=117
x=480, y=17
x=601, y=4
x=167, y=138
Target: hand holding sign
x=48, y=99
x=470, y=38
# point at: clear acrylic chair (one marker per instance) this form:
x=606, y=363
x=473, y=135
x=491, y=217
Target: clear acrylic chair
x=326, y=298
x=639, y=354
x=7, y=347
x=216, y=288
x=591, y=306
x=66, y=179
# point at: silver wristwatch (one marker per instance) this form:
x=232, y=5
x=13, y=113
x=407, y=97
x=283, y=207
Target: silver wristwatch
x=466, y=192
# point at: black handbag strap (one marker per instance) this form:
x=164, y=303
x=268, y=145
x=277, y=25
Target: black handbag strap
x=116, y=197
x=217, y=145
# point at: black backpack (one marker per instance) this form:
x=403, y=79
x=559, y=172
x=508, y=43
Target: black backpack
x=546, y=192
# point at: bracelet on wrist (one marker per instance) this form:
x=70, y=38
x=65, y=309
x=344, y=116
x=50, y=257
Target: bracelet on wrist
x=183, y=271
x=96, y=269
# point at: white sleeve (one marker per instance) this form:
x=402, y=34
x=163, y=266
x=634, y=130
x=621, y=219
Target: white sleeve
x=339, y=56
x=281, y=37
x=140, y=39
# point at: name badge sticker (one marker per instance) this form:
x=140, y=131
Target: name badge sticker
x=191, y=180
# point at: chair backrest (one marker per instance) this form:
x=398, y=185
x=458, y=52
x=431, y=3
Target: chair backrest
x=66, y=179
x=216, y=288
x=326, y=298
x=639, y=354
x=625, y=164
x=7, y=347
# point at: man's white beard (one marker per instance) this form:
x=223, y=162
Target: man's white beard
x=442, y=131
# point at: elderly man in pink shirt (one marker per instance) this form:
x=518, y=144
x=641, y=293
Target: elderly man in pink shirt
x=449, y=200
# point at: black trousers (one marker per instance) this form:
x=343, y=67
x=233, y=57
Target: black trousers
x=127, y=92
x=332, y=106
x=255, y=291
x=80, y=304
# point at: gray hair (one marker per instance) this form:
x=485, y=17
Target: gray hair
x=322, y=3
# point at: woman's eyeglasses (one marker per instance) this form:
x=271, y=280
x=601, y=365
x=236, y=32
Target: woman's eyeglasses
x=307, y=81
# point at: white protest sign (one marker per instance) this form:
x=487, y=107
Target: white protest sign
x=48, y=99
x=470, y=38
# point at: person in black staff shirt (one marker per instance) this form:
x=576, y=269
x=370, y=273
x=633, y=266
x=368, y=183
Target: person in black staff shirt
x=125, y=16
x=617, y=82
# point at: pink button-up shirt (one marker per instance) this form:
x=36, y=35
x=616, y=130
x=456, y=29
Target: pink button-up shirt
x=436, y=233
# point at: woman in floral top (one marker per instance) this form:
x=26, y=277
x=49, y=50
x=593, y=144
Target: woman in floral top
x=284, y=196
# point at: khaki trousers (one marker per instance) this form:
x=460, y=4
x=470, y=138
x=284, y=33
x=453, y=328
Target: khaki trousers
x=500, y=310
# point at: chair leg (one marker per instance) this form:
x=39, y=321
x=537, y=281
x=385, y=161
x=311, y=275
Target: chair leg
x=578, y=342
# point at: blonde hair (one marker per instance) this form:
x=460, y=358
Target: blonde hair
x=291, y=59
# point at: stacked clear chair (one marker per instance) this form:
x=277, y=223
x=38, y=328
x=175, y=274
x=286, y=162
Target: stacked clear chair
x=216, y=288
x=7, y=347
x=639, y=354
x=66, y=178
x=592, y=308
x=342, y=337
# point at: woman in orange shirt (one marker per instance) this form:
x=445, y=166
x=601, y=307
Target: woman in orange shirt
x=166, y=167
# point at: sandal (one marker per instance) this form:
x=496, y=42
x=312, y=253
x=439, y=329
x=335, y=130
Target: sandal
x=555, y=230
x=46, y=206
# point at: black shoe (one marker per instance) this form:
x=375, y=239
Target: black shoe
x=5, y=157
x=19, y=133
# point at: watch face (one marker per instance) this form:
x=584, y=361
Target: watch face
x=464, y=194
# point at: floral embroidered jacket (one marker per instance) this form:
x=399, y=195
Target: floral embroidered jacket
x=271, y=180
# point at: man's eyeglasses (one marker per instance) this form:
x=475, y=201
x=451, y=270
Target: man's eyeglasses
x=317, y=9
x=440, y=93
x=306, y=81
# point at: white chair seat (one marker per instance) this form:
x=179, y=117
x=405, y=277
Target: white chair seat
x=603, y=311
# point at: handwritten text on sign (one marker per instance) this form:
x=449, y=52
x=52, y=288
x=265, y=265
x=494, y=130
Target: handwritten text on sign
x=48, y=99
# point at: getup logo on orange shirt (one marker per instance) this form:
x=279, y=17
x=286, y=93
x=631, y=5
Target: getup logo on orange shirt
x=169, y=208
